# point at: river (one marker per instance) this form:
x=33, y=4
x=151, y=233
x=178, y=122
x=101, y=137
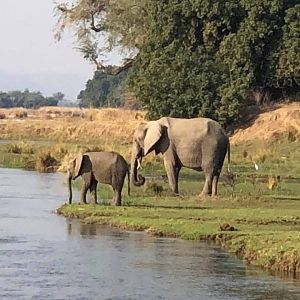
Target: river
x=44, y=256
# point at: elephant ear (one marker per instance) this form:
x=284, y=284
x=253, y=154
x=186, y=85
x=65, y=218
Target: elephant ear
x=152, y=136
x=78, y=162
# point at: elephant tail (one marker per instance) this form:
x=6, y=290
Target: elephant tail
x=128, y=182
x=228, y=157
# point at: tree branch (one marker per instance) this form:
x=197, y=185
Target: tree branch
x=93, y=26
x=99, y=66
x=127, y=64
x=63, y=8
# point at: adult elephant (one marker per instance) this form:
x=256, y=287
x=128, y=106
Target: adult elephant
x=104, y=167
x=199, y=144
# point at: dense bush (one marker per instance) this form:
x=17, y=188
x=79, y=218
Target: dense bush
x=103, y=90
x=203, y=58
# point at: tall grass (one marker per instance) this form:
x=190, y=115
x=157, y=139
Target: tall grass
x=90, y=126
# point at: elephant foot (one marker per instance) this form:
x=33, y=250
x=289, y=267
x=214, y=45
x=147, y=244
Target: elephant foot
x=214, y=195
x=204, y=195
x=116, y=202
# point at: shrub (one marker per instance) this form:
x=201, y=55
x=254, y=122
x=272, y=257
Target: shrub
x=21, y=115
x=45, y=162
x=20, y=148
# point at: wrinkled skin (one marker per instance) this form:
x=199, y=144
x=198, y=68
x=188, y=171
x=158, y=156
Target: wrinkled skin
x=200, y=144
x=104, y=167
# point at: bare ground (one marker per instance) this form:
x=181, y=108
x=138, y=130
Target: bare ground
x=271, y=125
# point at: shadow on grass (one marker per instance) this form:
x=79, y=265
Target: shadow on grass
x=282, y=197
x=165, y=206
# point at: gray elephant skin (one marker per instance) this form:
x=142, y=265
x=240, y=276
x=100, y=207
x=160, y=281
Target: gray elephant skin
x=200, y=144
x=103, y=167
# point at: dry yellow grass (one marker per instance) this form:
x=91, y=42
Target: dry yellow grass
x=284, y=120
x=112, y=129
x=60, y=124
x=110, y=126
x=81, y=129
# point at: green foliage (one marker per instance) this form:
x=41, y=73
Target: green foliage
x=28, y=99
x=202, y=58
x=285, y=67
x=194, y=57
x=104, y=90
x=5, y=100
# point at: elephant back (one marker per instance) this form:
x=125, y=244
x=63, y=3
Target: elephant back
x=106, y=165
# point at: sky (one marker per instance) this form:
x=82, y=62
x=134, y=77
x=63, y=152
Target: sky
x=31, y=58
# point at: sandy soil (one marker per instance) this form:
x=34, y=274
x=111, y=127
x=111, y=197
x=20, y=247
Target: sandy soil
x=284, y=120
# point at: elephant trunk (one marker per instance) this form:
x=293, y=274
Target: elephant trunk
x=136, y=158
x=70, y=188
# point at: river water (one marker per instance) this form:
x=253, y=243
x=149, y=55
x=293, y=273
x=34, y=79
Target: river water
x=44, y=256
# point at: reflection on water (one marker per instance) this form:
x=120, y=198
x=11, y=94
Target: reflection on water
x=44, y=256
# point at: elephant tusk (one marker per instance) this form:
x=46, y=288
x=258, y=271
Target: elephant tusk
x=139, y=164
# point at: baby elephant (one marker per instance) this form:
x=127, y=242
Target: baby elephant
x=104, y=167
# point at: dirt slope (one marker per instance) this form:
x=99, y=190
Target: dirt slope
x=284, y=120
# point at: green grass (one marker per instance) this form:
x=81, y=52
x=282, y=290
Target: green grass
x=267, y=221
x=273, y=158
x=267, y=231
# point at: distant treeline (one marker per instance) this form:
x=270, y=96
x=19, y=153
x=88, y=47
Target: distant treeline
x=28, y=99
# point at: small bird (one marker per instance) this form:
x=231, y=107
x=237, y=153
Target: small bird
x=255, y=166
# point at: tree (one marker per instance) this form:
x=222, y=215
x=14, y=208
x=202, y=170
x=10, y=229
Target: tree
x=5, y=101
x=104, y=90
x=202, y=58
x=58, y=96
x=194, y=57
x=104, y=25
x=284, y=69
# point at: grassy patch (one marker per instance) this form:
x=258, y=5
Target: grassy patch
x=265, y=222
x=266, y=233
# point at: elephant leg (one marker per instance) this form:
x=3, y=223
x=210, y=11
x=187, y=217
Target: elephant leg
x=215, y=185
x=117, y=199
x=177, y=170
x=93, y=190
x=84, y=190
x=86, y=183
x=117, y=185
x=172, y=173
x=207, y=189
x=209, y=172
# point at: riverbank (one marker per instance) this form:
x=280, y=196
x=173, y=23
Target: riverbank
x=259, y=206
x=63, y=259
x=263, y=232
